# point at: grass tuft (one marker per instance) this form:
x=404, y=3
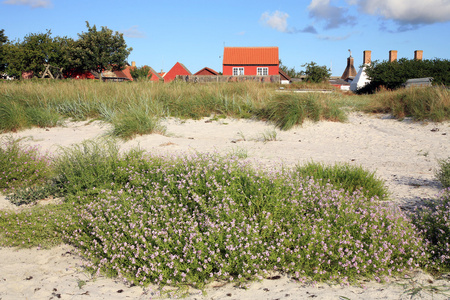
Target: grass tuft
x=345, y=176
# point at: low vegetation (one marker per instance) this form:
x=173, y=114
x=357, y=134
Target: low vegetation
x=189, y=220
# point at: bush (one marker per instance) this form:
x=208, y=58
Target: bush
x=393, y=75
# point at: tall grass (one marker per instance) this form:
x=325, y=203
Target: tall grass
x=430, y=103
x=111, y=102
x=289, y=109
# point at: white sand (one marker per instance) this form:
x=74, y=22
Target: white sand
x=403, y=153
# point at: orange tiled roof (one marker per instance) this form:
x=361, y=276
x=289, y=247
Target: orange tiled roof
x=250, y=56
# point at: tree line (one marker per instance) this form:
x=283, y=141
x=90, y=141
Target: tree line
x=94, y=51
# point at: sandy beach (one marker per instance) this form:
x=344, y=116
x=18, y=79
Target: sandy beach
x=403, y=153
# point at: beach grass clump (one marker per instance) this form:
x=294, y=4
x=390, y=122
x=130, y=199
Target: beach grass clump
x=137, y=120
x=443, y=173
x=420, y=103
x=22, y=165
x=345, y=176
x=287, y=110
x=433, y=220
x=88, y=165
x=12, y=116
x=190, y=220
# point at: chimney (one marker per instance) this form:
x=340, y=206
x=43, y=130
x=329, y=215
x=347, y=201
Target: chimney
x=418, y=54
x=392, y=55
x=133, y=64
x=350, y=70
x=367, y=57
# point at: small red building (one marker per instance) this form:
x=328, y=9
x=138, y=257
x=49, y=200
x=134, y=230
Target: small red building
x=260, y=61
x=177, y=69
x=206, y=71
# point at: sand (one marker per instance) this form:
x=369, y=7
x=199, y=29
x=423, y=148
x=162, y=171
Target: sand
x=403, y=153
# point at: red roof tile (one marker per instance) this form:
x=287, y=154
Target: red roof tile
x=250, y=56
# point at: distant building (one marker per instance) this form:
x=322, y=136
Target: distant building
x=177, y=69
x=206, y=71
x=361, y=78
x=253, y=61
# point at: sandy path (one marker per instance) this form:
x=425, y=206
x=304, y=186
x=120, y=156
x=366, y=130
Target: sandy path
x=403, y=153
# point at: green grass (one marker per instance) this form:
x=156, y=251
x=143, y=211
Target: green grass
x=430, y=103
x=21, y=166
x=345, y=176
x=443, y=173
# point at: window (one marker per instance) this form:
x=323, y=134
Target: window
x=262, y=71
x=238, y=71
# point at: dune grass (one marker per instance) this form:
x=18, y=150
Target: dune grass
x=350, y=178
x=136, y=107
x=431, y=103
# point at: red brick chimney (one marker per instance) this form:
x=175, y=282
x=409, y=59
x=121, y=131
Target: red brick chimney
x=392, y=55
x=418, y=54
x=367, y=57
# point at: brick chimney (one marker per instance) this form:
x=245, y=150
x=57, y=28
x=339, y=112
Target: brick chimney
x=133, y=64
x=367, y=57
x=392, y=55
x=418, y=54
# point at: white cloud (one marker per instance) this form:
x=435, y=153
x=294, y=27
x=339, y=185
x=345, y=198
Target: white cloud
x=133, y=32
x=334, y=16
x=276, y=20
x=411, y=12
x=32, y=3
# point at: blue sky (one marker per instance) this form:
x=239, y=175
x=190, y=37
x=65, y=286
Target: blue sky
x=194, y=33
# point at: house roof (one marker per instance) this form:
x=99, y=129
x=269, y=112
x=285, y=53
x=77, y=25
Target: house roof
x=250, y=56
x=209, y=70
x=284, y=75
x=154, y=73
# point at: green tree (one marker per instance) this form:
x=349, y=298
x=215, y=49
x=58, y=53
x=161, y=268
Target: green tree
x=99, y=50
x=393, y=75
x=32, y=54
x=315, y=73
x=142, y=73
x=289, y=71
x=3, y=40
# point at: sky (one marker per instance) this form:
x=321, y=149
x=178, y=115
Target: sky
x=195, y=33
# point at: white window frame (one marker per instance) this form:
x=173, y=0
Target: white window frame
x=238, y=71
x=262, y=71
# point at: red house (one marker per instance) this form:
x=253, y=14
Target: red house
x=177, y=69
x=206, y=71
x=261, y=61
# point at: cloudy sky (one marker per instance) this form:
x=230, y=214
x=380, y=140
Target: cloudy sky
x=195, y=32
